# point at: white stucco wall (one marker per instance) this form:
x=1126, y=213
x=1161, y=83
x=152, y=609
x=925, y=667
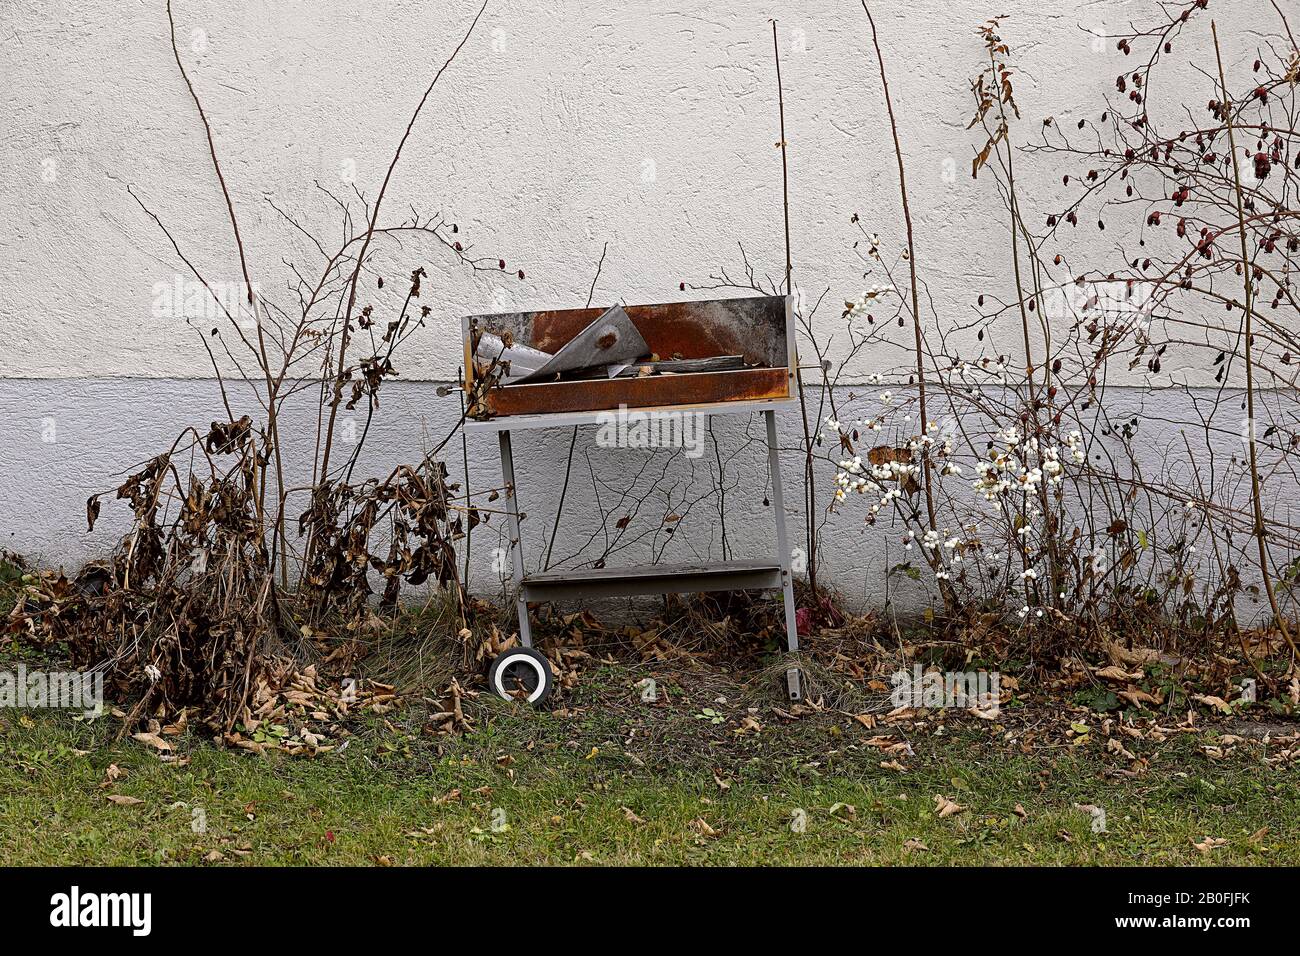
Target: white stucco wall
x=563, y=126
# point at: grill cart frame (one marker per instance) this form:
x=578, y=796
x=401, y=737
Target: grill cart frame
x=759, y=328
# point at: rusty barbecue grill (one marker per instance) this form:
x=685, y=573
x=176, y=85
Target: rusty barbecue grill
x=697, y=353
x=566, y=367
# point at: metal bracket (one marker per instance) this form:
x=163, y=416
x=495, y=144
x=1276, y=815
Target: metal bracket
x=652, y=579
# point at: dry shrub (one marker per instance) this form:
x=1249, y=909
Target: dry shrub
x=195, y=608
x=1030, y=487
x=413, y=507
x=184, y=613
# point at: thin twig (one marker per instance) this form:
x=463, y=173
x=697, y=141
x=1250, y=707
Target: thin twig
x=916, y=296
x=809, y=485
x=573, y=439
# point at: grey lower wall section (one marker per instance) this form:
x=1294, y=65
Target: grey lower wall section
x=63, y=440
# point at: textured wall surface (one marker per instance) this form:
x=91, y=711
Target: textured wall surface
x=562, y=127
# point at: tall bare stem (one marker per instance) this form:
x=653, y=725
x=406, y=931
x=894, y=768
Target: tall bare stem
x=926, y=475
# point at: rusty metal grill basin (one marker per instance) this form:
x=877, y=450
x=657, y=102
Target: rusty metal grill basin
x=759, y=328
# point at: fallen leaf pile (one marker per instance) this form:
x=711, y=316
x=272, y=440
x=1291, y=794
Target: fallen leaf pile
x=298, y=713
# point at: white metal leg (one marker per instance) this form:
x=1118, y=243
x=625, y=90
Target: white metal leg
x=783, y=546
x=516, y=543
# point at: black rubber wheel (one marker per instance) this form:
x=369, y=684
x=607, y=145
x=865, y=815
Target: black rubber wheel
x=521, y=673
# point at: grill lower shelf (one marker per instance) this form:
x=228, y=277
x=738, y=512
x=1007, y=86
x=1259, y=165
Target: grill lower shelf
x=651, y=579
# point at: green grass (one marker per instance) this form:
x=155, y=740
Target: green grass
x=547, y=788
x=11, y=576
